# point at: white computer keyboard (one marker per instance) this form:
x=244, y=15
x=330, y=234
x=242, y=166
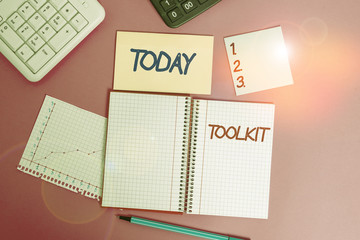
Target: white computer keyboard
x=36, y=34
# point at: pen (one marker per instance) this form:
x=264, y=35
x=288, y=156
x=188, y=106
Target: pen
x=178, y=229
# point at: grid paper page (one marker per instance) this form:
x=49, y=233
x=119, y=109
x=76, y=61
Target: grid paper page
x=233, y=159
x=144, y=151
x=67, y=147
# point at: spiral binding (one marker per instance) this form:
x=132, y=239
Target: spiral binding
x=184, y=157
x=192, y=156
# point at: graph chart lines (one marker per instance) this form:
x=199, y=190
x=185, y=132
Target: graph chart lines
x=43, y=131
x=66, y=147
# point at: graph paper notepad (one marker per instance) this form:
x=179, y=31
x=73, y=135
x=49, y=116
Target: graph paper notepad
x=66, y=147
x=179, y=154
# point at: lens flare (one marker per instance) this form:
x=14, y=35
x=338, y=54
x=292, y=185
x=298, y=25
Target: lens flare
x=315, y=31
x=11, y=150
x=281, y=53
x=75, y=210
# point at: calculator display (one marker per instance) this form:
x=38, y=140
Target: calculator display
x=177, y=12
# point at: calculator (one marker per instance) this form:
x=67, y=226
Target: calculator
x=35, y=35
x=177, y=12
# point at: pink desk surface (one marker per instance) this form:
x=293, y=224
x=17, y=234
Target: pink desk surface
x=315, y=177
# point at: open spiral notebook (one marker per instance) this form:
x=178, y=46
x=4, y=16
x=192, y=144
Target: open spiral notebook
x=174, y=153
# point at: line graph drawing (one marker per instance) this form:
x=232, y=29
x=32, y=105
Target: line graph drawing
x=47, y=121
x=66, y=147
x=77, y=150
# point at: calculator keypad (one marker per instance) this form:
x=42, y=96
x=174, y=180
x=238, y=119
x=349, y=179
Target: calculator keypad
x=189, y=5
x=177, y=12
x=39, y=29
x=167, y=4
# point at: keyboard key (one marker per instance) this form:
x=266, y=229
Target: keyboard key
x=32, y=30
x=24, y=53
x=26, y=10
x=36, y=42
x=37, y=61
x=46, y=32
x=202, y=1
x=62, y=38
x=15, y=21
x=85, y=4
x=68, y=11
x=47, y=11
x=36, y=21
x=189, y=5
x=78, y=22
x=9, y=36
x=167, y=4
x=25, y=31
x=37, y=4
x=57, y=22
x=175, y=14
x=58, y=4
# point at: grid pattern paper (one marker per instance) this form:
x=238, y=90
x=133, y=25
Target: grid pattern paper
x=144, y=152
x=67, y=147
x=232, y=176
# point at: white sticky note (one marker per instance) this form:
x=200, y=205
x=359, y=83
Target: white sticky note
x=157, y=62
x=258, y=61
